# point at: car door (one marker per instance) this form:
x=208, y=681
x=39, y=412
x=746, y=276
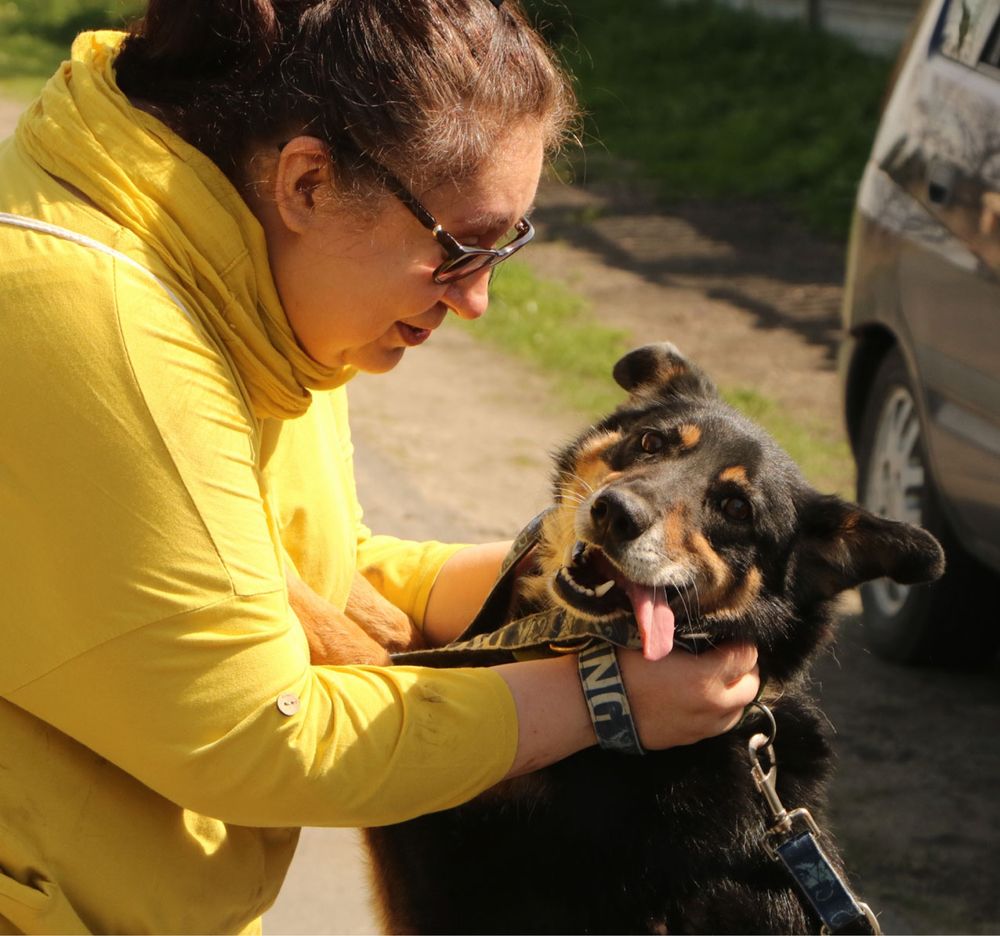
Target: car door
x=948, y=161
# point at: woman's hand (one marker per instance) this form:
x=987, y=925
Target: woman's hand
x=686, y=697
x=678, y=700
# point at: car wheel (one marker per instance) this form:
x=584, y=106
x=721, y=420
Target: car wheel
x=942, y=623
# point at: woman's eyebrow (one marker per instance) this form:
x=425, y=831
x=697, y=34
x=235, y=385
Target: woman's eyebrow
x=491, y=221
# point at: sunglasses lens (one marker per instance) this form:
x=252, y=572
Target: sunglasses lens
x=461, y=267
x=473, y=261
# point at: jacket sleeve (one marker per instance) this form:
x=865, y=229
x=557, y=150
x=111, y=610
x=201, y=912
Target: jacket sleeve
x=403, y=571
x=219, y=711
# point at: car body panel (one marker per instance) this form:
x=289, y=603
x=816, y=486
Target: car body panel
x=924, y=260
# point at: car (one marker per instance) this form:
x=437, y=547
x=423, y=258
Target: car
x=920, y=360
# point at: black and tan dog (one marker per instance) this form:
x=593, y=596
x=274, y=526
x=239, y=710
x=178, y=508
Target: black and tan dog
x=680, y=512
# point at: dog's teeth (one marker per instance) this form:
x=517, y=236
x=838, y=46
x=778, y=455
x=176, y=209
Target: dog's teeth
x=602, y=590
x=574, y=584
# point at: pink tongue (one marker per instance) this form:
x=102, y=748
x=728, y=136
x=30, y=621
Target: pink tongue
x=655, y=620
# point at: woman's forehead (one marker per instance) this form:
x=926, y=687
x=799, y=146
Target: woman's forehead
x=501, y=192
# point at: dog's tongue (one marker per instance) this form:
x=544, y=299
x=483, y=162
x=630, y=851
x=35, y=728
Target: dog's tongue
x=655, y=620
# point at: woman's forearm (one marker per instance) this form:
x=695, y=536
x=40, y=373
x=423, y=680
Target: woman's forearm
x=552, y=717
x=677, y=700
x=462, y=584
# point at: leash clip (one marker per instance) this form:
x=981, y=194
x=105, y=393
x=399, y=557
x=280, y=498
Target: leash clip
x=767, y=784
x=799, y=851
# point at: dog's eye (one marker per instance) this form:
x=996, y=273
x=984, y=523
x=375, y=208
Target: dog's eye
x=652, y=442
x=737, y=509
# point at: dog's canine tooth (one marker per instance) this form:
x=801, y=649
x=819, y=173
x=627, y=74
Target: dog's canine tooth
x=602, y=590
x=567, y=578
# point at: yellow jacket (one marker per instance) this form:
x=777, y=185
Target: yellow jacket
x=165, y=447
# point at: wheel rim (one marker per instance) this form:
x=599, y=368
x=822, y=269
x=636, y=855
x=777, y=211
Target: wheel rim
x=894, y=484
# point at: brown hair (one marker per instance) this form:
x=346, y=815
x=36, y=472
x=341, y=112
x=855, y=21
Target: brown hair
x=425, y=88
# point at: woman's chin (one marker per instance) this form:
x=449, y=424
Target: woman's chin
x=373, y=359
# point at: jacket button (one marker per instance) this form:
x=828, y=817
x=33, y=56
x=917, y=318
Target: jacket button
x=288, y=703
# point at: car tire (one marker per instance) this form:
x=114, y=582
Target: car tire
x=944, y=623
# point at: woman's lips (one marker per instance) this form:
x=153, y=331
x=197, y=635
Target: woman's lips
x=413, y=336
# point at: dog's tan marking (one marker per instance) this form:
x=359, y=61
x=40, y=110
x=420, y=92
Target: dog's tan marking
x=590, y=465
x=717, y=567
x=735, y=473
x=737, y=601
x=690, y=436
x=675, y=532
x=850, y=522
x=669, y=370
x=717, y=570
x=680, y=541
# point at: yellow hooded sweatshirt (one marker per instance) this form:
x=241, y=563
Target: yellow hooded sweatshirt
x=165, y=447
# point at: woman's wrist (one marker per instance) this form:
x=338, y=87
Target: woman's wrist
x=552, y=716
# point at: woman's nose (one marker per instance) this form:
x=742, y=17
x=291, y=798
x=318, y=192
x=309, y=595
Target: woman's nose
x=469, y=297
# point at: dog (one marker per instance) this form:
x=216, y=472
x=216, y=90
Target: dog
x=678, y=511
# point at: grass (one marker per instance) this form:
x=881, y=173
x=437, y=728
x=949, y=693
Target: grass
x=35, y=36
x=711, y=102
x=553, y=328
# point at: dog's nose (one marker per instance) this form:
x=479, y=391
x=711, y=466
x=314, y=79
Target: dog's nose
x=618, y=517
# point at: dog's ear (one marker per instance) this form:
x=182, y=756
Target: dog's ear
x=842, y=545
x=660, y=371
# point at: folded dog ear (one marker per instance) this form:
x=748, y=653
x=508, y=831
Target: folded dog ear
x=661, y=371
x=842, y=545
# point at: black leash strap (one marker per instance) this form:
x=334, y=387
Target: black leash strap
x=824, y=889
x=798, y=850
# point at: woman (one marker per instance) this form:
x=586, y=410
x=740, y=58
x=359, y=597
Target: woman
x=208, y=227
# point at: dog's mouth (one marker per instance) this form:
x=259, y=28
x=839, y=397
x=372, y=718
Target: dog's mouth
x=592, y=585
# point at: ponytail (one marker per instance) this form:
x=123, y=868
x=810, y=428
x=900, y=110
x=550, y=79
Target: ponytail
x=199, y=39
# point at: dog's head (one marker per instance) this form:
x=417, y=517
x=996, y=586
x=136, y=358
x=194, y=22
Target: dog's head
x=680, y=511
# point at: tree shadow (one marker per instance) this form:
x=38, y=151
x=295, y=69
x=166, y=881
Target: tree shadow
x=747, y=254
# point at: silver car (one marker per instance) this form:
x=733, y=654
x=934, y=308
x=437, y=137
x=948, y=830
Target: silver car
x=921, y=357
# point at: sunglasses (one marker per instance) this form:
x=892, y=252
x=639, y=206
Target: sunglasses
x=460, y=261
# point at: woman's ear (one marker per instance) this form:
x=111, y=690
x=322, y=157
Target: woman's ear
x=302, y=180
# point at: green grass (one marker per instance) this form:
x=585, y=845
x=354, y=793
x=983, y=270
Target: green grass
x=707, y=101
x=547, y=324
x=553, y=328
x=35, y=36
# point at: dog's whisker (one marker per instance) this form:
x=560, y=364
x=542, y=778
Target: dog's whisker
x=697, y=600
x=582, y=481
x=565, y=492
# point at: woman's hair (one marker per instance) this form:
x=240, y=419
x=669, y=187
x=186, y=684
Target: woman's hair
x=425, y=88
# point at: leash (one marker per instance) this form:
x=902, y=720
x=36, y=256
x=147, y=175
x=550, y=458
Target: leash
x=792, y=840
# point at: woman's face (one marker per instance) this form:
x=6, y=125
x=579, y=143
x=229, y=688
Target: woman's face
x=359, y=289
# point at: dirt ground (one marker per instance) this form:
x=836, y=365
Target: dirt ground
x=455, y=445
